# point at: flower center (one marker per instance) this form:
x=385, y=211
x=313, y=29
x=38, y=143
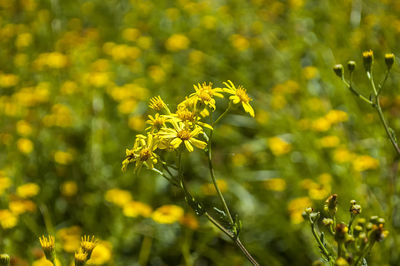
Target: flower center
x=145, y=154
x=185, y=115
x=158, y=122
x=183, y=134
x=204, y=95
x=241, y=93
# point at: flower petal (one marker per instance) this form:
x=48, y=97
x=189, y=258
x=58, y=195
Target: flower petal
x=198, y=143
x=189, y=147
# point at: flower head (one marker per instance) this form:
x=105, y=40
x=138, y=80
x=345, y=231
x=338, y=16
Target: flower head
x=80, y=258
x=167, y=214
x=88, y=244
x=239, y=95
x=4, y=260
x=156, y=122
x=204, y=93
x=48, y=245
x=157, y=103
x=182, y=133
x=141, y=153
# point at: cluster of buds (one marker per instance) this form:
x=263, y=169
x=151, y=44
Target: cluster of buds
x=351, y=244
x=81, y=256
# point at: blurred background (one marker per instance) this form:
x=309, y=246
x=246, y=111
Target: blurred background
x=75, y=80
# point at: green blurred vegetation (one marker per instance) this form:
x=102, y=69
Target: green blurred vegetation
x=75, y=79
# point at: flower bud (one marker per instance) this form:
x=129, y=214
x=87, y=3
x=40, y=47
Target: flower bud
x=368, y=59
x=4, y=260
x=389, y=60
x=341, y=262
x=330, y=205
x=338, y=69
x=355, y=209
x=351, y=65
x=341, y=232
x=374, y=219
x=327, y=221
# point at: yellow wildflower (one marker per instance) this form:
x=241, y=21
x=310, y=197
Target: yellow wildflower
x=156, y=122
x=141, y=153
x=28, y=190
x=136, y=208
x=44, y=262
x=88, y=244
x=275, y=184
x=343, y=155
x=25, y=145
x=8, y=219
x=101, y=254
x=177, y=42
x=48, y=246
x=205, y=94
x=63, y=157
x=296, y=208
x=118, y=197
x=24, y=128
x=5, y=183
x=167, y=214
x=329, y=141
x=239, y=95
x=80, y=258
x=136, y=123
x=70, y=238
x=156, y=103
x=365, y=162
x=278, y=146
x=183, y=134
x=18, y=207
x=336, y=116
x=321, y=124
x=69, y=188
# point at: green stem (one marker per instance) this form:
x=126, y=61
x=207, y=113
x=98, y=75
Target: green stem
x=221, y=197
x=145, y=250
x=351, y=222
x=321, y=246
x=222, y=115
x=380, y=86
x=355, y=92
x=385, y=125
x=367, y=248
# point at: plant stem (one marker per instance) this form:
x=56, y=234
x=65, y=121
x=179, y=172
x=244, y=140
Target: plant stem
x=222, y=115
x=321, y=246
x=234, y=239
x=145, y=250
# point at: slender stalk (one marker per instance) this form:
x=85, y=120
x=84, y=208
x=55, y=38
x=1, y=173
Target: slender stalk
x=321, y=246
x=145, y=250
x=223, y=114
x=364, y=253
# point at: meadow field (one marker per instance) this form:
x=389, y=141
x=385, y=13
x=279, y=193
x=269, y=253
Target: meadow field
x=167, y=129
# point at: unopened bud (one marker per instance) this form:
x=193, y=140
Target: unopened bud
x=368, y=59
x=341, y=232
x=351, y=65
x=389, y=60
x=338, y=69
x=4, y=260
x=327, y=221
x=355, y=209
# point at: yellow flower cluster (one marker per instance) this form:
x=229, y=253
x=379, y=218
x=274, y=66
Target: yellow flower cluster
x=170, y=131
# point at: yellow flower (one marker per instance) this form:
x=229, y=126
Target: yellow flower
x=336, y=116
x=101, y=254
x=25, y=145
x=141, y=153
x=321, y=124
x=63, y=157
x=48, y=245
x=275, y=184
x=70, y=238
x=343, y=155
x=28, y=190
x=183, y=134
x=365, y=162
x=177, y=42
x=69, y=188
x=278, y=146
x=23, y=128
x=167, y=214
x=118, y=197
x=88, y=244
x=8, y=219
x=296, y=208
x=329, y=141
x=18, y=207
x=239, y=95
x=156, y=122
x=136, y=208
x=156, y=103
x=44, y=262
x=80, y=258
x=5, y=183
x=205, y=94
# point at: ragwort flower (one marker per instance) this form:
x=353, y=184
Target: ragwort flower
x=141, y=153
x=239, y=95
x=182, y=133
x=205, y=94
